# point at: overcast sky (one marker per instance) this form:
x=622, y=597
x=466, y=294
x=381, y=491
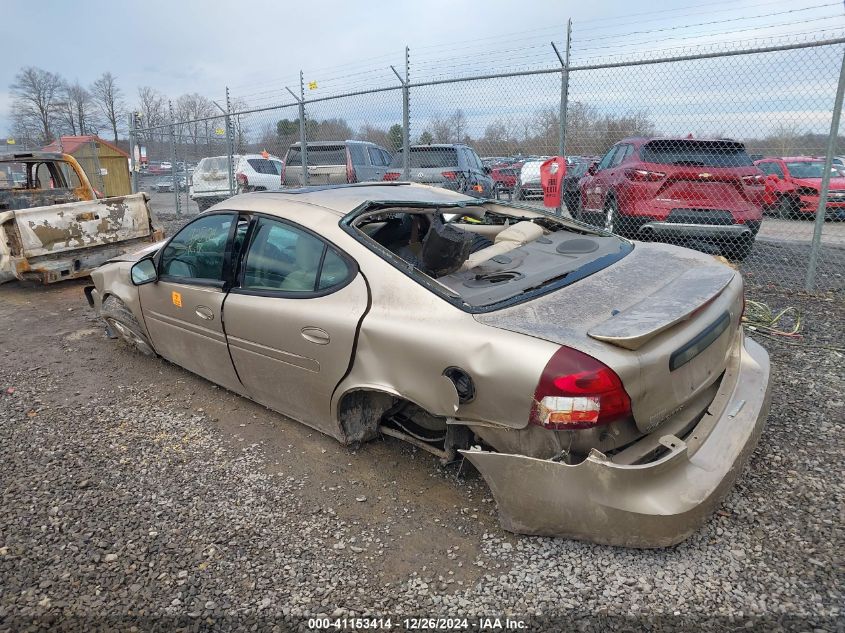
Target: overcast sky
x=258, y=47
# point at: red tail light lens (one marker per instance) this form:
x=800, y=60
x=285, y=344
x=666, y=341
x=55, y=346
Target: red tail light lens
x=242, y=179
x=450, y=175
x=578, y=392
x=391, y=175
x=350, y=170
x=643, y=175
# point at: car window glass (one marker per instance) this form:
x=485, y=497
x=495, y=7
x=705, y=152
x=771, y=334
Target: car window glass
x=605, y=161
x=356, y=151
x=375, y=156
x=265, y=166
x=282, y=257
x=386, y=157
x=422, y=157
x=334, y=272
x=620, y=155
x=476, y=160
x=198, y=250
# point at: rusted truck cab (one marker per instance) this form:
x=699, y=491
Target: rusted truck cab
x=54, y=225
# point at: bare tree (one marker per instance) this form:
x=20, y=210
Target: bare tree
x=152, y=107
x=108, y=98
x=76, y=108
x=36, y=93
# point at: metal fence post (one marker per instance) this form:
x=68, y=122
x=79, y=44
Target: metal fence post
x=564, y=89
x=303, y=139
x=810, y=282
x=133, y=148
x=230, y=142
x=406, y=116
x=176, y=198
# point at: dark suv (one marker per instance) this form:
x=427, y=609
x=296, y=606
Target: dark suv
x=452, y=166
x=702, y=193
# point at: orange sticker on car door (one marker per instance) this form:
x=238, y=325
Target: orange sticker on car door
x=176, y=298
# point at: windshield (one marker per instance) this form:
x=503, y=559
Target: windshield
x=213, y=164
x=808, y=169
x=696, y=153
x=428, y=158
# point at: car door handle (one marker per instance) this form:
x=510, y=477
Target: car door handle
x=204, y=313
x=315, y=335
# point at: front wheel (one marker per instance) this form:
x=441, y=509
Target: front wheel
x=787, y=208
x=125, y=326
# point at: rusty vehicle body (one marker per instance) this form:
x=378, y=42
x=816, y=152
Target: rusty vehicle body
x=603, y=388
x=54, y=227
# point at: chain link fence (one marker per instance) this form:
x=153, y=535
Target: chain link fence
x=731, y=152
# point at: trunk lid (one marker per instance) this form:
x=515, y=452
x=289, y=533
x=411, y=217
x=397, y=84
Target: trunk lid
x=663, y=318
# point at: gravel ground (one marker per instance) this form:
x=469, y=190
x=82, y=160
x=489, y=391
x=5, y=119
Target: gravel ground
x=137, y=495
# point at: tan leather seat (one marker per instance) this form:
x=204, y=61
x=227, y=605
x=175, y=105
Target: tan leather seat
x=507, y=240
x=307, y=260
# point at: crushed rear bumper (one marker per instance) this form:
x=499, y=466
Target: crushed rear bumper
x=656, y=504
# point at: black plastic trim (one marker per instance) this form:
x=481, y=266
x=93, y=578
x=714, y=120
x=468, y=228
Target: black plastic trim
x=708, y=335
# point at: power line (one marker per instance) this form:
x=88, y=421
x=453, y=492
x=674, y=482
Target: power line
x=687, y=26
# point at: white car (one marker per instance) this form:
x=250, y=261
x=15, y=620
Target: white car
x=252, y=172
x=528, y=182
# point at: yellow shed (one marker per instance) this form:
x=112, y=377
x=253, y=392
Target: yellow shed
x=105, y=164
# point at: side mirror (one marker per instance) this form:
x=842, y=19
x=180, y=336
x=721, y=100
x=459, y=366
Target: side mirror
x=143, y=272
x=773, y=178
x=487, y=170
x=592, y=169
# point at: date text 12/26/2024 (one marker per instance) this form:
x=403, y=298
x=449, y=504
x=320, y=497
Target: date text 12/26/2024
x=418, y=624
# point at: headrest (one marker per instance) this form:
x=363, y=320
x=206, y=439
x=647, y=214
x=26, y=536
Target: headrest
x=444, y=248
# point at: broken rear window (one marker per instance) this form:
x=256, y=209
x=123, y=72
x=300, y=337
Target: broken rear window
x=486, y=259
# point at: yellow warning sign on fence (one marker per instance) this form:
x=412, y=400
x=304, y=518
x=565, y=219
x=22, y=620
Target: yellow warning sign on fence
x=312, y=85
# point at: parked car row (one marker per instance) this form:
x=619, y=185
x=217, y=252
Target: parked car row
x=705, y=193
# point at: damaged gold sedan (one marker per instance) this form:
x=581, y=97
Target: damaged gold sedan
x=604, y=389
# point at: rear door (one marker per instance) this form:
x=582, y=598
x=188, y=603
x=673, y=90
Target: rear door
x=291, y=322
x=183, y=310
x=597, y=187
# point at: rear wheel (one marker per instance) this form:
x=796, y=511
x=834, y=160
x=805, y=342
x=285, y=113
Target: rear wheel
x=124, y=325
x=611, y=215
x=739, y=248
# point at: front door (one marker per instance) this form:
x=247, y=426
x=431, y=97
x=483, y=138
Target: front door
x=291, y=323
x=183, y=309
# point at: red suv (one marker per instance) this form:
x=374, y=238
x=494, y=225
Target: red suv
x=702, y=193
x=793, y=184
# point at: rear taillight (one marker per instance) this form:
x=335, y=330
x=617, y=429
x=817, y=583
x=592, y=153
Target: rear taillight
x=391, y=175
x=755, y=180
x=350, y=170
x=450, y=175
x=577, y=392
x=243, y=181
x=643, y=175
